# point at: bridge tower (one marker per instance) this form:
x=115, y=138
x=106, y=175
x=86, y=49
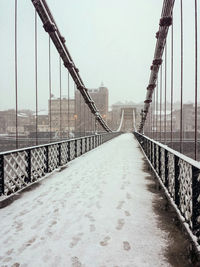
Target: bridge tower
x=128, y=115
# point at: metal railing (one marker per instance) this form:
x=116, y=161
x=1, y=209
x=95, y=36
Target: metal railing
x=180, y=179
x=19, y=168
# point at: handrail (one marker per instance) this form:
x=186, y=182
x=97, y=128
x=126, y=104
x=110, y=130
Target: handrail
x=180, y=178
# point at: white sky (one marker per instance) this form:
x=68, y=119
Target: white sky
x=110, y=40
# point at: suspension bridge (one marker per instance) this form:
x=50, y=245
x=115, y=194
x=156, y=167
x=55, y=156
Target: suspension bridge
x=87, y=194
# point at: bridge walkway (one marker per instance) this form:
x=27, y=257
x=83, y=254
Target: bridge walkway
x=96, y=212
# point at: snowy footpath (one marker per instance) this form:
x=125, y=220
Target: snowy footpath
x=95, y=213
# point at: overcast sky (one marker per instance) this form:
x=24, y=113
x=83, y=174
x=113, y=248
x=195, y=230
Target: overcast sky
x=111, y=41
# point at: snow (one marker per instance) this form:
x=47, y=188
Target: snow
x=95, y=213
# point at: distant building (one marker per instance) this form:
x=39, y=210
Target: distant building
x=100, y=97
x=84, y=119
x=8, y=121
x=63, y=116
x=188, y=122
x=161, y=123
x=43, y=122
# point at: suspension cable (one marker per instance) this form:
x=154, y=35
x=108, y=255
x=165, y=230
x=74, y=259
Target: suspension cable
x=36, y=80
x=153, y=116
x=68, y=102
x=88, y=118
x=165, y=128
x=16, y=79
x=150, y=122
x=196, y=80
x=75, y=111
x=84, y=116
x=181, y=105
x=157, y=110
x=80, y=104
x=160, y=103
x=50, y=94
x=172, y=80
x=60, y=83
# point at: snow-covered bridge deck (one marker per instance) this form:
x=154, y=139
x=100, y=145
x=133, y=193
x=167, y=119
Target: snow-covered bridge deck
x=96, y=212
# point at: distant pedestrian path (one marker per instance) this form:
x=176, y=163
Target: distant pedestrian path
x=96, y=212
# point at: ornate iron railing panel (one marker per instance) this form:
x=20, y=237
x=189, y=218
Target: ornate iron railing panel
x=78, y=147
x=185, y=190
x=53, y=157
x=38, y=163
x=171, y=174
x=180, y=177
x=21, y=167
x=15, y=171
x=162, y=165
x=157, y=159
x=64, y=153
x=72, y=149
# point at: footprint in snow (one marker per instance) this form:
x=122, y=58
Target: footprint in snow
x=127, y=213
x=126, y=245
x=128, y=196
x=76, y=262
x=98, y=205
x=120, y=224
x=120, y=204
x=105, y=241
x=92, y=228
x=75, y=240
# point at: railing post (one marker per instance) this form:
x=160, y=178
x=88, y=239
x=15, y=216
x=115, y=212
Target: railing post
x=1, y=175
x=176, y=182
x=101, y=139
x=47, y=158
x=92, y=142
x=29, y=165
x=68, y=151
x=150, y=150
x=98, y=140
x=76, y=149
x=144, y=143
x=90, y=145
x=155, y=156
x=104, y=138
x=81, y=146
x=195, y=201
x=152, y=153
x=166, y=169
x=159, y=161
x=59, y=154
x=86, y=144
